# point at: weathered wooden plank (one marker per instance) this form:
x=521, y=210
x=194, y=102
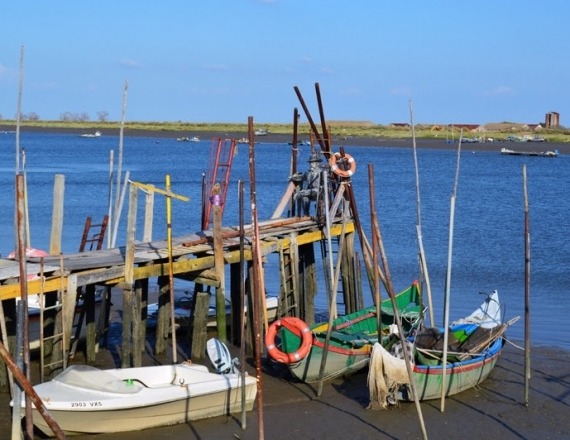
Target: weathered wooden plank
x=107, y=266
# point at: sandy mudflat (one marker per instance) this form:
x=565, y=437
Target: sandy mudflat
x=291, y=410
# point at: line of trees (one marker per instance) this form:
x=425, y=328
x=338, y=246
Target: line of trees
x=102, y=116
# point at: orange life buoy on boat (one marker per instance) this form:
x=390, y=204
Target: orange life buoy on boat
x=296, y=326
x=346, y=160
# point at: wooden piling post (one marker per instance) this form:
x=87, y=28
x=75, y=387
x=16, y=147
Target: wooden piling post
x=219, y=265
x=57, y=215
x=348, y=275
x=163, y=318
x=308, y=284
x=138, y=343
x=129, y=281
x=90, y=324
x=200, y=325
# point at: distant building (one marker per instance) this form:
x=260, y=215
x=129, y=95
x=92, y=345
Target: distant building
x=503, y=126
x=552, y=120
x=467, y=127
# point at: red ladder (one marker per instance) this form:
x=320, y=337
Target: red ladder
x=221, y=158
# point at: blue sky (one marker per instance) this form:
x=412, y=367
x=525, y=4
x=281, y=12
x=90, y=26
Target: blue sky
x=225, y=60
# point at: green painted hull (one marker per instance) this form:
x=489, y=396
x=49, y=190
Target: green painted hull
x=352, y=338
x=459, y=376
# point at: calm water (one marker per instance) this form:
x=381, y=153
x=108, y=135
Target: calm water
x=488, y=251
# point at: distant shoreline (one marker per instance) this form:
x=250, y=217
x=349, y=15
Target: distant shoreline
x=349, y=141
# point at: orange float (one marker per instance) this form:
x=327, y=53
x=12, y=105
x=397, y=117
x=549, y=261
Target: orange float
x=298, y=327
x=346, y=160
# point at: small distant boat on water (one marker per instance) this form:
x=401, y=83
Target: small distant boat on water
x=91, y=135
x=261, y=132
x=86, y=400
x=243, y=140
x=301, y=143
x=546, y=153
x=188, y=139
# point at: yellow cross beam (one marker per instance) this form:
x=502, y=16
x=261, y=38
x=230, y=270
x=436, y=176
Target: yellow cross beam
x=151, y=188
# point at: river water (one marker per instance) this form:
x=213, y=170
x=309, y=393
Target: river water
x=488, y=236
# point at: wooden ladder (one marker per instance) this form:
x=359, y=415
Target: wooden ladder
x=56, y=345
x=96, y=239
x=221, y=158
x=289, y=275
x=53, y=345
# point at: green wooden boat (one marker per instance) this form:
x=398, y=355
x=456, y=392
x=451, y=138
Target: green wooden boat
x=474, y=346
x=351, y=340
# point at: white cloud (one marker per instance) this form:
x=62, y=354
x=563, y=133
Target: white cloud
x=216, y=67
x=127, y=62
x=401, y=91
x=6, y=72
x=501, y=90
x=351, y=91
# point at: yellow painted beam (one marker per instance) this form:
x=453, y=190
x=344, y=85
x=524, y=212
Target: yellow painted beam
x=180, y=266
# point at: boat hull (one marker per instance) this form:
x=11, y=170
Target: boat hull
x=179, y=394
x=458, y=378
x=351, y=340
x=308, y=370
x=135, y=419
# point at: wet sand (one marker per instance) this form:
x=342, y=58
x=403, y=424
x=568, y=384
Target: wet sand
x=291, y=409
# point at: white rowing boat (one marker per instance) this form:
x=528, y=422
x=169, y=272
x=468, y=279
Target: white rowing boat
x=84, y=399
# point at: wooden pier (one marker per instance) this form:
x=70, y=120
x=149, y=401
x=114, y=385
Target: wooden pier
x=290, y=240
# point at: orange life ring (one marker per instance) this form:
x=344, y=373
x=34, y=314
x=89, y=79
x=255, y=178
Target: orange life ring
x=296, y=326
x=347, y=159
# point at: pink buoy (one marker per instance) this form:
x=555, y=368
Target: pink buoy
x=30, y=253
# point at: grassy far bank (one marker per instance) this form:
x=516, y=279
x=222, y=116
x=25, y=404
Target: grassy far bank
x=336, y=129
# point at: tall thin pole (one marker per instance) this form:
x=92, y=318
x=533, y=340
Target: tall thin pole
x=526, y=291
x=23, y=327
x=242, y=300
x=377, y=234
x=120, y=158
x=377, y=298
x=322, y=116
x=110, y=195
x=333, y=282
x=448, y=281
x=171, y=270
x=19, y=109
x=423, y=261
x=258, y=286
